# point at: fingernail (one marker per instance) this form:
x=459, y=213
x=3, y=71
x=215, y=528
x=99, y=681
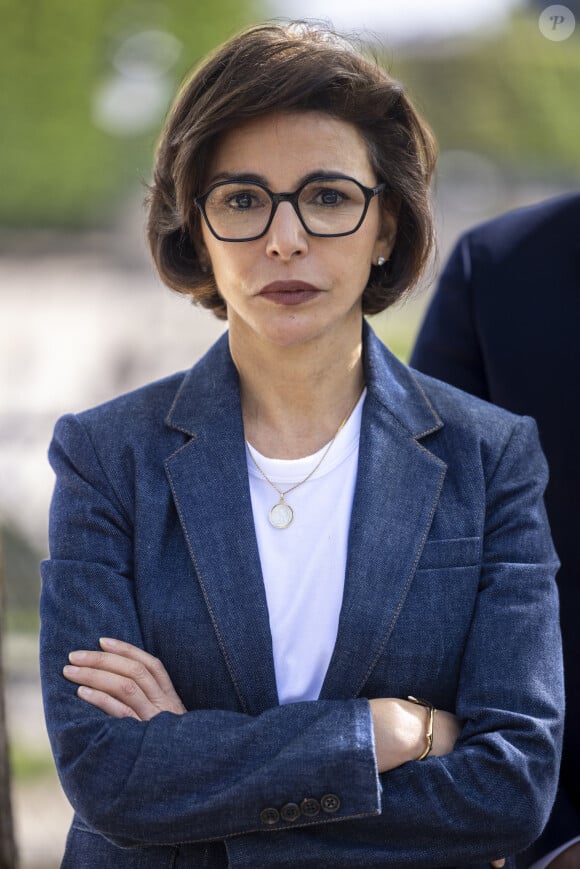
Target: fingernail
x=108, y=642
x=84, y=691
x=70, y=671
x=77, y=657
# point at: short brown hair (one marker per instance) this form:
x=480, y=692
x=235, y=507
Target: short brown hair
x=275, y=67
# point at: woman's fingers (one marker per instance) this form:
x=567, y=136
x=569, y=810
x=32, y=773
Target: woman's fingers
x=134, y=653
x=130, y=677
x=115, y=685
x=113, y=707
x=150, y=673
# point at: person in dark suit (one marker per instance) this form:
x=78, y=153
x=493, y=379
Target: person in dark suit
x=504, y=324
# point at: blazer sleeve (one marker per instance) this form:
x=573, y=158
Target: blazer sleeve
x=447, y=345
x=207, y=774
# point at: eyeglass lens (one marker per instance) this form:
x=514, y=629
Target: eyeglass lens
x=329, y=206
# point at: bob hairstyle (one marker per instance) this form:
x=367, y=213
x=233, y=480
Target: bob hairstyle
x=273, y=68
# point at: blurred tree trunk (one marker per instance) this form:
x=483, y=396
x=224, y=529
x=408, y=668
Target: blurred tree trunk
x=8, y=857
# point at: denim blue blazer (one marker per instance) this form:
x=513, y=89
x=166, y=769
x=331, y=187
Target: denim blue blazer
x=449, y=595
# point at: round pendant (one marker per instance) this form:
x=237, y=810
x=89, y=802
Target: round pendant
x=281, y=515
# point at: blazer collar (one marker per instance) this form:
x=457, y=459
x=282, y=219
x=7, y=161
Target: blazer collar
x=210, y=390
x=393, y=385
x=397, y=489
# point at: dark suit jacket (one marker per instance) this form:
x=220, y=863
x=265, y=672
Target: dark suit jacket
x=504, y=324
x=449, y=594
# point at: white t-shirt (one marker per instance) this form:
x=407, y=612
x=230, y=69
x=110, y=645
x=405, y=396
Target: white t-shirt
x=304, y=564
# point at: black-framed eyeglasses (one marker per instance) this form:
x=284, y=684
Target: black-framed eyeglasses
x=327, y=206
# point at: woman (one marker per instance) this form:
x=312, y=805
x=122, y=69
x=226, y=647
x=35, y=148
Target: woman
x=280, y=547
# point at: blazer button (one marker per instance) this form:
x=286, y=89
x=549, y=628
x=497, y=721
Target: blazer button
x=270, y=815
x=330, y=803
x=310, y=807
x=290, y=812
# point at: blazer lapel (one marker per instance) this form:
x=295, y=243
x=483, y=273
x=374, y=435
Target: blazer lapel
x=210, y=487
x=397, y=490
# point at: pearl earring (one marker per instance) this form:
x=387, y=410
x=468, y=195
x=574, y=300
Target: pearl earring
x=381, y=261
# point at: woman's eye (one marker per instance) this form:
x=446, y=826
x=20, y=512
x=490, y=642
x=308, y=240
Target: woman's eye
x=241, y=201
x=329, y=197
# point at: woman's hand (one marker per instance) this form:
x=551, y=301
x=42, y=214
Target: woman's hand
x=400, y=727
x=123, y=681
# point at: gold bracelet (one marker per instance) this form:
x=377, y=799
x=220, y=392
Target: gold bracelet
x=430, y=720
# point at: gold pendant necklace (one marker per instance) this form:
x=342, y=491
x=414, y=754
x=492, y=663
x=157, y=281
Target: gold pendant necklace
x=282, y=514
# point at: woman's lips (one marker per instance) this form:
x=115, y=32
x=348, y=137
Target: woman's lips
x=289, y=292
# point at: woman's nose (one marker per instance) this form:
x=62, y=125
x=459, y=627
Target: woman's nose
x=286, y=237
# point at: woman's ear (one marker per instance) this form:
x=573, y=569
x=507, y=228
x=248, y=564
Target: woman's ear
x=387, y=235
x=201, y=251
x=204, y=261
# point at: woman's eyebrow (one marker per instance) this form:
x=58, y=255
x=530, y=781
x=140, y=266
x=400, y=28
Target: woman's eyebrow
x=248, y=177
x=255, y=178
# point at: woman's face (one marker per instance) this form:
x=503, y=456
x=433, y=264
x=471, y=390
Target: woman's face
x=289, y=287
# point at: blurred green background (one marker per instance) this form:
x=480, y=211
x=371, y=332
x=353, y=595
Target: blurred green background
x=85, y=86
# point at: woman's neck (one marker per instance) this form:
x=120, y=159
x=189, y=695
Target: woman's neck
x=295, y=398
